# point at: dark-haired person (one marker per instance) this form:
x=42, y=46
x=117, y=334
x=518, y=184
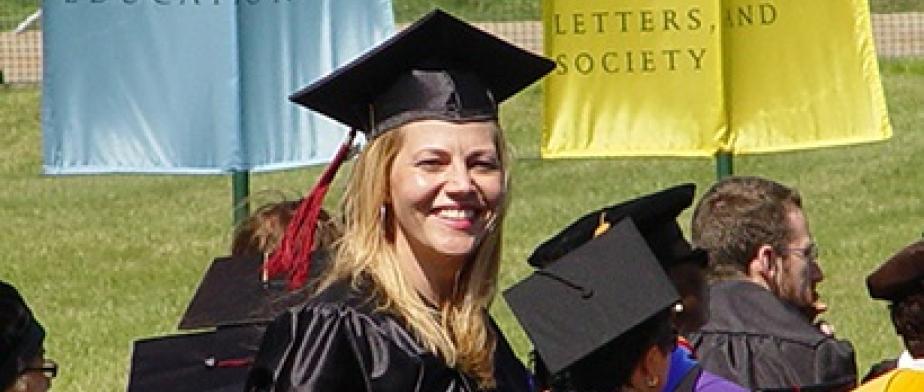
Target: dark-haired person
x=599, y=313
x=637, y=360
x=900, y=280
x=655, y=216
x=404, y=303
x=760, y=332
x=23, y=366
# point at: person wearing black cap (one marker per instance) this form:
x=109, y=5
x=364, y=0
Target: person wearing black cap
x=760, y=332
x=655, y=215
x=656, y=218
x=403, y=305
x=229, y=312
x=900, y=280
x=599, y=314
x=23, y=366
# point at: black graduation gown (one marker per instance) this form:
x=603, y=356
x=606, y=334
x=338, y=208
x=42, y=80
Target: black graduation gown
x=337, y=342
x=759, y=342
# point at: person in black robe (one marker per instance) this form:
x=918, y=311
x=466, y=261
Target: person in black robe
x=230, y=310
x=655, y=215
x=598, y=310
x=403, y=305
x=23, y=366
x=761, y=332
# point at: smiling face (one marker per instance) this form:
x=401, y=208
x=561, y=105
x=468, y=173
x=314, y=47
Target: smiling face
x=446, y=187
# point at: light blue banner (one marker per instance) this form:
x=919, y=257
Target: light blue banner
x=194, y=86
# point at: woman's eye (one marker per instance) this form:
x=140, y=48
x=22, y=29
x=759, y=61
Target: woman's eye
x=431, y=163
x=486, y=164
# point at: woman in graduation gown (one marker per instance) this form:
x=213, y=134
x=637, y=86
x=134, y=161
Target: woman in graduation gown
x=404, y=304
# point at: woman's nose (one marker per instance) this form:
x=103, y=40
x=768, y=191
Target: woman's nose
x=459, y=179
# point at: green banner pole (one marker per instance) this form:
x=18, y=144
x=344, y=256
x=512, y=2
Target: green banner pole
x=723, y=164
x=240, y=190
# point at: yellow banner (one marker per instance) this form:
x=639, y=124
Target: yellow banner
x=689, y=78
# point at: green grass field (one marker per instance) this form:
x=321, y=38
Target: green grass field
x=107, y=259
x=896, y=6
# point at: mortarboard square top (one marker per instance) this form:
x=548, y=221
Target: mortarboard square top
x=438, y=68
x=590, y=296
x=654, y=214
x=214, y=361
x=232, y=292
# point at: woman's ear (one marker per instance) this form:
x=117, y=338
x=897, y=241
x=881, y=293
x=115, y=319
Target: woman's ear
x=651, y=371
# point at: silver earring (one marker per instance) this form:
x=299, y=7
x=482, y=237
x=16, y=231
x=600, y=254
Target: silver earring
x=382, y=212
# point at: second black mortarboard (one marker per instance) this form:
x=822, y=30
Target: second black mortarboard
x=590, y=296
x=437, y=68
x=234, y=291
x=654, y=214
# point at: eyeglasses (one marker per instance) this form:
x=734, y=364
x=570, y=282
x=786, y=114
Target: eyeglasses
x=49, y=369
x=810, y=252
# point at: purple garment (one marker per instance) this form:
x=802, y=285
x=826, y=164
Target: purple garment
x=708, y=382
x=682, y=363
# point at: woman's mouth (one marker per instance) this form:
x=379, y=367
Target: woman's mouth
x=457, y=218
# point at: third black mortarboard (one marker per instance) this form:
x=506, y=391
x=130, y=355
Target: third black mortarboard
x=590, y=296
x=437, y=68
x=234, y=292
x=200, y=362
x=654, y=214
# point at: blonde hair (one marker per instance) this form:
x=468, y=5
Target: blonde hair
x=366, y=255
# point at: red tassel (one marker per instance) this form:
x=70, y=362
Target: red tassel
x=234, y=363
x=293, y=257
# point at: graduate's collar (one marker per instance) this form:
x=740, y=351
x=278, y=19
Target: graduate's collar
x=906, y=361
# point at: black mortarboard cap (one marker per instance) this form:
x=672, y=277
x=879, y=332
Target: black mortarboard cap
x=21, y=335
x=590, y=296
x=200, y=362
x=235, y=292
x=901, y=275
x=654, y=214
x=437, y=68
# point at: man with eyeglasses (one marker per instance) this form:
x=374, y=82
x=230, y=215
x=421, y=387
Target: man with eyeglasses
x=23, y=366
x=762, y=332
